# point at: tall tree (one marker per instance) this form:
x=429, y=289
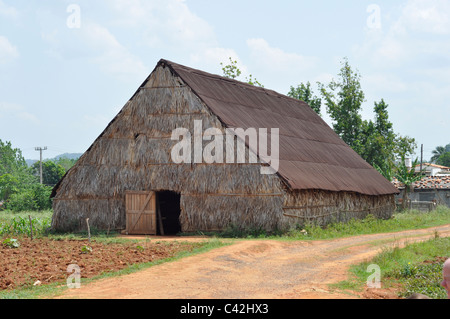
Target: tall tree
x=11, y=159
x=14, y=172
x=232, y=71
x=444, y=159
x=343, y=99
x=305, y=93
x=378, y=141
x=51, y=172
x=437, y=152
x=407, y=176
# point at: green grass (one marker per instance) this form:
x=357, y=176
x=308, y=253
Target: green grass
x=12, y=223
x=400, y=221
x=406, y=267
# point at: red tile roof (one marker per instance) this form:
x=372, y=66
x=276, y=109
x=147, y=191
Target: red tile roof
x=428, y=182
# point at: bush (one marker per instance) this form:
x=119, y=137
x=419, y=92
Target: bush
x=24, y=200
x=424, y=279
x=42, y=196
x=36, y=197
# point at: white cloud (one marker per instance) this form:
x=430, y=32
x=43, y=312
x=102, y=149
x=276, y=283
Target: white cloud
x=279, y=69
x=210, y=59
x=8, y=11
x=95, y=44
x=276, y=58
x=421, y=28
x=384, y=82
x=164, y=24
x=426, y=16
x=8, y=52
x=109, y=54
x=16, y=111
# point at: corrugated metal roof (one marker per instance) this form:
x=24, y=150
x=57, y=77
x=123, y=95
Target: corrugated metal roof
x=312, y=155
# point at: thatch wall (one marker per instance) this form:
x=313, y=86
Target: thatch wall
x=324, y=207
x=134, y=153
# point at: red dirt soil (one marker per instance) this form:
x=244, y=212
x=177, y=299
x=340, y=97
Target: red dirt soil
x=46, y=260
x=246, y=269
x=255, y=269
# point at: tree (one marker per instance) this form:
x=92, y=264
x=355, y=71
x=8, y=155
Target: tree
x=14, y=172
x=380, y=146
x=232, y=71
x=304, y=93
x=378, y=138
x=374, y=140
x=444, y=159
x=51, y=172
x=407, y=177
x=447, y=147
x=343, y=99
x=437, y=152
x=65, y=162
x=11, y=159
x=19, y=188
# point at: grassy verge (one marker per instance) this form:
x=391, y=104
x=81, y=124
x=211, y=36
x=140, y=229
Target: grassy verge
x=416, y=268
x=400, y=221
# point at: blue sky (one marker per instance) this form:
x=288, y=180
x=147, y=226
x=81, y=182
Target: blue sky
x=68, y=67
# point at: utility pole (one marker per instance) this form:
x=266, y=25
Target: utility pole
x=40, y=149
x=421, y=157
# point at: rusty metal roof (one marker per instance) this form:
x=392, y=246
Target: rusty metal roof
x=312, y=155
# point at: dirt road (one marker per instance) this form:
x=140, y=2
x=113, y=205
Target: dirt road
x=256, y=269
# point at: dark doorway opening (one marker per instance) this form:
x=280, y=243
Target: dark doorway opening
x=168, y=204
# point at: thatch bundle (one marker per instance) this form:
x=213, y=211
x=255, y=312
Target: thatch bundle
x=323, y=207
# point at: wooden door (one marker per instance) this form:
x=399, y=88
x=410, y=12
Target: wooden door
x=140, y=210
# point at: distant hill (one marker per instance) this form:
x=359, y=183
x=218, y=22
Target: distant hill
x=67, y=155
x=30, y=162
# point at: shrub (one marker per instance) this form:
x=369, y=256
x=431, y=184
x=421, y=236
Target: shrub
x=42, y=196
x=22, y=201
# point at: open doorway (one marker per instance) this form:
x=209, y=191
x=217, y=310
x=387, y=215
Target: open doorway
x=168, y=205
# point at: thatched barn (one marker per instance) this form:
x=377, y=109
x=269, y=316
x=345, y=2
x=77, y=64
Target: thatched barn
x=128, y=179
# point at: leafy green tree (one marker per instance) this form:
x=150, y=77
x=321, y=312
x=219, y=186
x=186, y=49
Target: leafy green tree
x=65, y=162
x=375, y=141
x=19, y=187
x=14, y=173
x=51, y=172
x=378, y=137
x=22, y=201
x=304, y=93
x=41, y=196
x=380, y=145
x=404, y=146
x=343, y=99
x=232, y=71
x=437, y=152
x=9, y=184
x=406, y=176
x=11, y=159
x=444, y=159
